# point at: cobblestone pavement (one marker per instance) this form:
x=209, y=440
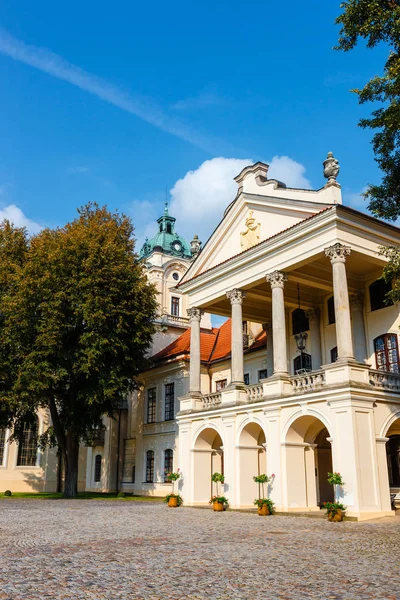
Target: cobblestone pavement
x=117, y=549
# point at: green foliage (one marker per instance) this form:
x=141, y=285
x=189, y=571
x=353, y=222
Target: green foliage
x=391, y=271
x=262, y=478
x=376, y=22
x=260, y=502
x=121, y=494
x=219, y=499
x=218, y=478
x=7, y=493
x=335, y=479
x=76, y=322
x=333, y=507
x=177, y=496
x=173, y=476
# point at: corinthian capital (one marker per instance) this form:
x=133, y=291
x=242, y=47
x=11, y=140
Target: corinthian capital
x=195, y=314
x=356, y=301
x=277, y=279
x=337, y=252
x=236, y=296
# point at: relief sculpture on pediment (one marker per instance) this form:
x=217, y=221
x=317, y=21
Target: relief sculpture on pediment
x=251, y=236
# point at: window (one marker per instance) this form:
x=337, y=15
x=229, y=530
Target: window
x=175, y=276
x=168, y=463
x=387, y=353
x=246, y=378
x=263, y=374
x=220, y=385
x=2, y=445
x=377, y=293
x=97, y=468
x=169, y=228
x=299, y=321
x=151, y=405
x=27, y=447
x=149, y=466
x=169, y=402
x=334, y=354
x=302, y=363
x=175, y=306
x=331, y=311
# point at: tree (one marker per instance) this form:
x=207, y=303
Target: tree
x=78, y=319
x=378, y=21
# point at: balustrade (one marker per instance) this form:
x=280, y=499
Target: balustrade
x=385, y=380
x=308, y=382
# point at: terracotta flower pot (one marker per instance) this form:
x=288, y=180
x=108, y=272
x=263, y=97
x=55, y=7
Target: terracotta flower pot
x=173, y=502
x=338, y=516
x=218, y=506
x=263, y=510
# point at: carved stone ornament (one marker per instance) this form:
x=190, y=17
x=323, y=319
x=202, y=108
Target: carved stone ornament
x=312, y=314
x=236, y=296
x=195, y=314
x=356, y=301
x=195, y=246
x=277, y=279
x=337, y=252
x=331, y=168
x=267, y=326
x=251, y=236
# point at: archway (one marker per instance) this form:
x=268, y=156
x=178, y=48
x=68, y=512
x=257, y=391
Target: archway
x=208, y=459
x=393, y=456
x=252, y=461
x=308, y=460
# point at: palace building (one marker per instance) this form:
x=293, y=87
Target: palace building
x=302, y=378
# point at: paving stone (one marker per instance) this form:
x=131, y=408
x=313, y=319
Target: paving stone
x=83, y=549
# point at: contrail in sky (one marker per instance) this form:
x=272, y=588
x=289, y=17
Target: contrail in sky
x=53, y=64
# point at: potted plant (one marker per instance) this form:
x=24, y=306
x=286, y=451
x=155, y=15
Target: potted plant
x=173, y=500
x=218, y=501
x=335, y=510
x=265, y=505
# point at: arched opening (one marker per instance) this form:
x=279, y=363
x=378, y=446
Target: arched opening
x=208, y=459
x=308, y=461
x=393, y=456
x=252, y=461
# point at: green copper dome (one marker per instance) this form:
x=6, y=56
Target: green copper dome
x=166, y=240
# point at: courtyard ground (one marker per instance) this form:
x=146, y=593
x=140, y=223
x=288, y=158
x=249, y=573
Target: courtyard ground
x=88, y=549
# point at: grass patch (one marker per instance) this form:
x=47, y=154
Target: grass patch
x=81, y=496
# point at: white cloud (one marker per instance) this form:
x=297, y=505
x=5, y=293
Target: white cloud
x=15, y=215
x=201, y=196
x=144, y=108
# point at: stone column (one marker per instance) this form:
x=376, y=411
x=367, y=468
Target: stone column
x=337, y=254
x=236, y=297
x=194, y=315
x=277, y=280
x=267, y=326
x=360, y=347
x=315, y=338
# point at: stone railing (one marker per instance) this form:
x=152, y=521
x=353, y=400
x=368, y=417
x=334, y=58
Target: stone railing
x=308, y=382
x=254, y=391
x=211, y=400
x=385, y=380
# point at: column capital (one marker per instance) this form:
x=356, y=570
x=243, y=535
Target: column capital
x=236, y=296
x=356, y=301
x=277, y=279
x=312, y=314
x=195, y=314
x=337, y=252
x=267, y=326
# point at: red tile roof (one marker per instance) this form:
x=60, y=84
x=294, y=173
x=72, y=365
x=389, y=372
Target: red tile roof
x=215, y=344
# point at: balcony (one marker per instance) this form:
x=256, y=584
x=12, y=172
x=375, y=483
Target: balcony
x=166, y=320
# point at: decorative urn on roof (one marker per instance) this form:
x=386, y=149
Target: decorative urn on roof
x=195, y=246
x=331, y=168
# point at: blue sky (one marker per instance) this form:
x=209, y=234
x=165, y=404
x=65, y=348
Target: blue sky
x=114, y=102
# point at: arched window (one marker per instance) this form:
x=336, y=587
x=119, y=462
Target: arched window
x=377, y=294
x=149, y=466
x=2, y=445
x=302, y=362
x=387, y=353
x=168, y=463
x=28, y=446
x=97, y=468
x=331, y=311
x=299, y=321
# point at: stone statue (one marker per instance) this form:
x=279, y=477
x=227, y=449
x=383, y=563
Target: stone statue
x=331, y=168
x=195, y=246
x=251, y=236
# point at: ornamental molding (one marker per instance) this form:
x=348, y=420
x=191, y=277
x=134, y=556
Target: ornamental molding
x=251, y=236
x=236, y=296
x=195, y=314
x=277, y=279
x=337, y=253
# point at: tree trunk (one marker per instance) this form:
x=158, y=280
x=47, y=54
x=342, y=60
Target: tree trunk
x=71, y=456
